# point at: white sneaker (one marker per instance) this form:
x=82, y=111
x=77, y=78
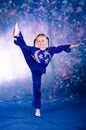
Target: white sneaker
x=16, y=30
x=37, y=113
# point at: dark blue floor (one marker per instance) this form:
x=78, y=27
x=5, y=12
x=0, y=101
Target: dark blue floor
x=54, y=117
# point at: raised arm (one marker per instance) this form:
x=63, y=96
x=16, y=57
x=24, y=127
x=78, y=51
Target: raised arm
x=66, y=48
x=59, y=49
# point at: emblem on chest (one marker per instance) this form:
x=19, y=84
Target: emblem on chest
x=42, y=56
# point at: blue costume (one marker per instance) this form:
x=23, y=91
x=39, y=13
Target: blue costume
x=37, y=61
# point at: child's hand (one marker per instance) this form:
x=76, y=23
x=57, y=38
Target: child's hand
x=75, y=45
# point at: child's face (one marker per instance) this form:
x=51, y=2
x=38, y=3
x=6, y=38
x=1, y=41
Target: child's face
x=41, y=42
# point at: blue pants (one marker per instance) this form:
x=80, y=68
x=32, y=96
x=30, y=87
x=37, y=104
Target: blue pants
x=36, y=77
x=36, y=90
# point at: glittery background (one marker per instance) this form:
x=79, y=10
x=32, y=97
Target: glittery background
x=64, y=22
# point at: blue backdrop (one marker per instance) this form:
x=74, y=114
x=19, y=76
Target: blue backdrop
x=64, y=22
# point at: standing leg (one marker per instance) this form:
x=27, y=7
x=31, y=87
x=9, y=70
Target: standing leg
x=36, y=77
x=36, y=92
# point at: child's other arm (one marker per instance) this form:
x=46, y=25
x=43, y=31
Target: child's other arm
x=66, y=48
x=59, y=49
x=75, y=45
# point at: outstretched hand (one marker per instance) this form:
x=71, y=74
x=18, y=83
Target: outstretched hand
x=75, y=45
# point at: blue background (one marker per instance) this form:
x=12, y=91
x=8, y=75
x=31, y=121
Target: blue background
x=64, y=22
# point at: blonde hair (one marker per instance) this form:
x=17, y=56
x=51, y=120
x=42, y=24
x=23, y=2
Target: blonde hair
x=41, y=34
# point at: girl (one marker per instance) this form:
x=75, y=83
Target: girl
x=38, y=58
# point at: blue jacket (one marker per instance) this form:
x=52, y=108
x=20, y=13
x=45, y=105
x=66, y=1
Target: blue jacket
x=38, y=59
